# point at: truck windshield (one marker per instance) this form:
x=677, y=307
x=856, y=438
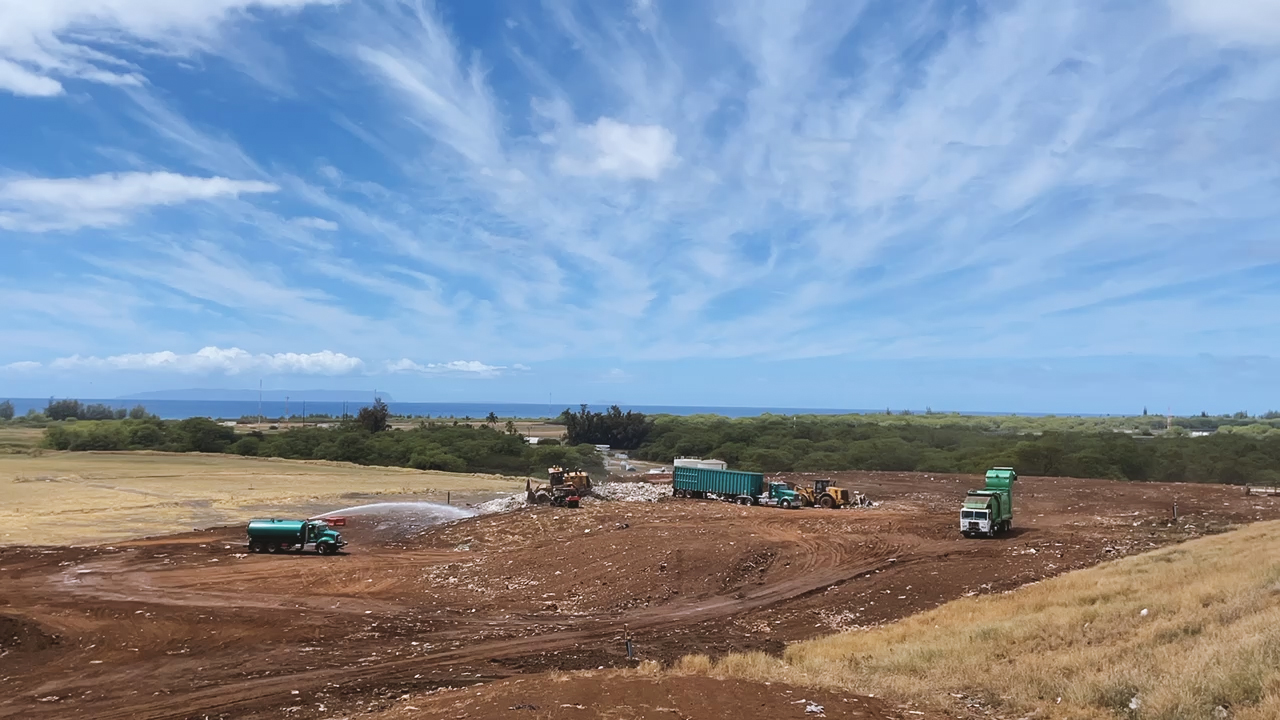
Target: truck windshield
x=966, y=514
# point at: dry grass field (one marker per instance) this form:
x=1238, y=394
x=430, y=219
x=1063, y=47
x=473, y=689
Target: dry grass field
x=85, y=497
x=1191, y=631
x=19, y=439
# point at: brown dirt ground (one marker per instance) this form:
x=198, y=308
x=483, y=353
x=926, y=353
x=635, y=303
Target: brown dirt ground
x=616, y=696
x=186, y=626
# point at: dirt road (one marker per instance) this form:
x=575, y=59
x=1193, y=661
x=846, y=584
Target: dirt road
x=189, y=626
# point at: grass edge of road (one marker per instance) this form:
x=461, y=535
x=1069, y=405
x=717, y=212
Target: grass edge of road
x=1188, y=631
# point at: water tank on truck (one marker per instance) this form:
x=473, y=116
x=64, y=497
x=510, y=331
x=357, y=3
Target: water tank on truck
x=273, y=535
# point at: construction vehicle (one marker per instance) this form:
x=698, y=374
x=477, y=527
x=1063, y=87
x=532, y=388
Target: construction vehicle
x=564, y=488
x=989, y=511
x=273, y=535
x=824, y=493
x=744, y=488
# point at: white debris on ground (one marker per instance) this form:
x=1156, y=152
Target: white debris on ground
x=614, y=492
x=632, y=492
x=502, y=504
x=857, y=499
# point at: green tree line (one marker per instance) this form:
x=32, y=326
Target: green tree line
x=430, y=446
x=823, y=443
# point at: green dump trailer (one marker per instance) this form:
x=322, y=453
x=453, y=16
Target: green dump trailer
x=989, y=511
x=274, y=535
x=744, y=488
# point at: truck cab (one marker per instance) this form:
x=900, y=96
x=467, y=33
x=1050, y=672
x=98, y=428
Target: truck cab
x=779, y=494
x=975, y=520
x=989, y=511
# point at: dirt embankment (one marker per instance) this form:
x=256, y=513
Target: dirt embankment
x=189, y=626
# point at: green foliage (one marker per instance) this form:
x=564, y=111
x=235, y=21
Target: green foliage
x=6, y=410
x=623, y=431
x=63, y=409
x=940, y=443
x=60, y=410
x=374, y=418
x=452, y=448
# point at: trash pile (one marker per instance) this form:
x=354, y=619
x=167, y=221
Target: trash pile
x=631, y=492
x=502, y=504
x=857, y=499
x=611, y=492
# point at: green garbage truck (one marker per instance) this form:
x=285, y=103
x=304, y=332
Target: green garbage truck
x=989, y=511
x=737, y=486
x=274, y=535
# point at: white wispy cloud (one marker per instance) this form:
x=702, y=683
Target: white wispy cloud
x=38, y=204
x=314, y=223
x=21, y=366
x=782, y=180
x=609, y=147
x=1237, y=21
x=45, y=41
x=209, y=360
x=473, y=368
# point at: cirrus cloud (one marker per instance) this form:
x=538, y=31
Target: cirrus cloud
x=231, y=361
x=473, y=368
x=39, y=204
x=50, y=39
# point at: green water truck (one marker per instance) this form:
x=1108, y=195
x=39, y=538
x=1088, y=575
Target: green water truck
x=989, y=511
x=273, y=535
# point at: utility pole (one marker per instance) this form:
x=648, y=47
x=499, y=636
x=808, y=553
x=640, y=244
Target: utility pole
x=286, y=411
x=259, y=403
x=304, y=413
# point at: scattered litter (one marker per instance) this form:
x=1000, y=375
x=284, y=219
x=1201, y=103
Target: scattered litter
x=814, y=708
x=631, y=492
x=502, y=504
x=1144, y=612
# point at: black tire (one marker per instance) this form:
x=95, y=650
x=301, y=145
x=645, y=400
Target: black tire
x=256, y=546
x=827, y=502
x=273, y=547
x=784, y=504
x=325, y=548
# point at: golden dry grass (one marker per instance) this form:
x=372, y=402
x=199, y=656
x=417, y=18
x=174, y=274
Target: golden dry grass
x=1076, y=646
x=85, y=497
x=15, y=439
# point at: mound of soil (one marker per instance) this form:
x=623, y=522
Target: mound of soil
x=22, y=635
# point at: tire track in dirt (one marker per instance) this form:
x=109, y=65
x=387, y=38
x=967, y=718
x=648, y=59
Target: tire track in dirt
x=821, y=564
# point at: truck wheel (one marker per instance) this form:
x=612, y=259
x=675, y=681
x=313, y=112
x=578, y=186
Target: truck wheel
x=827, y=502
x=255, y=546
x=324, y=548
x=273, y=547
x=784, y=504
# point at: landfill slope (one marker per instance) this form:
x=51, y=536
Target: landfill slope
x=190, y=625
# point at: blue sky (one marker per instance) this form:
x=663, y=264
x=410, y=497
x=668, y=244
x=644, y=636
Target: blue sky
x=1065, y=206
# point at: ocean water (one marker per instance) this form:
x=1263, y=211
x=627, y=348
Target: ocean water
x=234, y=409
